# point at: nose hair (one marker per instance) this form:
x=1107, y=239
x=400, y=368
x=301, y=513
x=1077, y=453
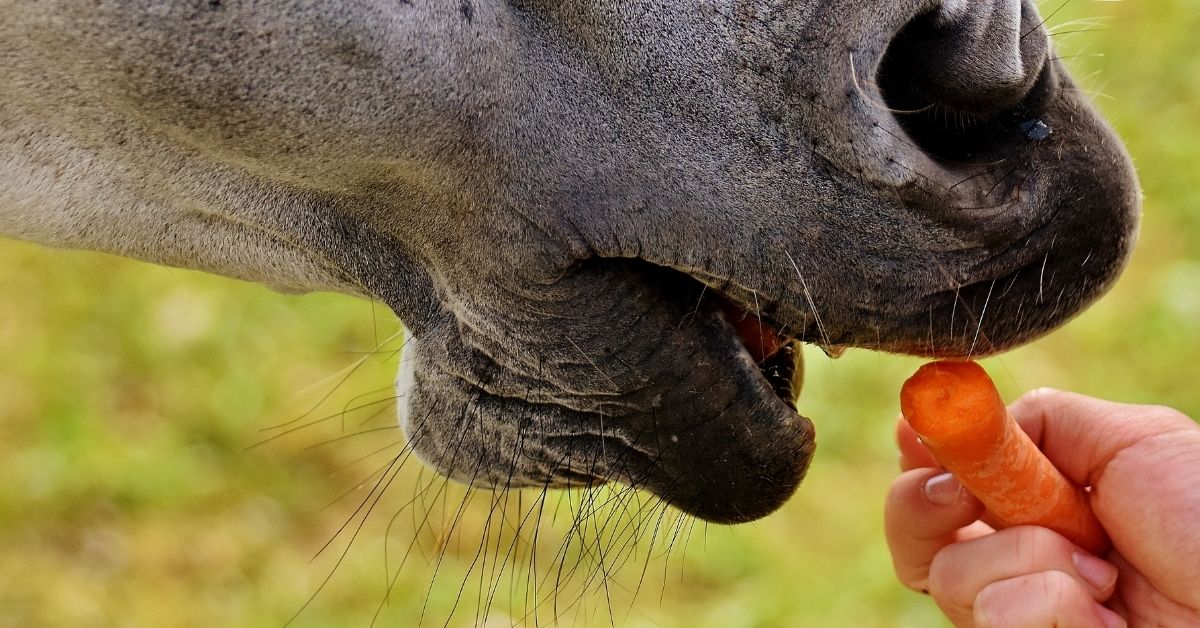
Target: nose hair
x=973, y=55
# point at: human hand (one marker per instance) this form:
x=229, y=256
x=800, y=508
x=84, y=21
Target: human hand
x=1143, y=466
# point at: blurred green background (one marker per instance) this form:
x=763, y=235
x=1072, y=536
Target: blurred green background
x=130, y=396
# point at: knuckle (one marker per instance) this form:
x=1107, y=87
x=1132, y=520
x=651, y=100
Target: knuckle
x=1035, y=599
x=946, y=584
x=1056, y=583
x=991, y=606
x=1042, y=396
x=941, y=573
x=1059, y=589
x=1168, y=415
x=984, y=612
x=1038, y=544
x=1044, y=392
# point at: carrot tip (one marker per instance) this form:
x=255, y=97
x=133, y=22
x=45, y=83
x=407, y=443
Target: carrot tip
x=950, y=401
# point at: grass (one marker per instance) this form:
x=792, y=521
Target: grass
x=130, y=396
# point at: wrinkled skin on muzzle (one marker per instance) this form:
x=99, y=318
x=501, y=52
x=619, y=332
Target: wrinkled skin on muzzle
x=562, y=200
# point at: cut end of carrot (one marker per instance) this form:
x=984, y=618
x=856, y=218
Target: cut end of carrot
x=949, y=401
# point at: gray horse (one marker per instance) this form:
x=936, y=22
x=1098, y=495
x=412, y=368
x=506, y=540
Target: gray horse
x=595, y=217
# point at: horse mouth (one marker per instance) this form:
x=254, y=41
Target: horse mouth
x=723, y=441
x=778, y=356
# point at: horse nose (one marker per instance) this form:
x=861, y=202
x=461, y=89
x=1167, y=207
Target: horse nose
x=978, y=56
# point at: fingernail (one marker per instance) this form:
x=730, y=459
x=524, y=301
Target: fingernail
x=1110, y=619
x=1098, y=572
x=942, y=489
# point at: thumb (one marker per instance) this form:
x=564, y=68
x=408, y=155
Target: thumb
x=1081, y=434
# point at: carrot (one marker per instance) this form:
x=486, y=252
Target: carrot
x=955, y=409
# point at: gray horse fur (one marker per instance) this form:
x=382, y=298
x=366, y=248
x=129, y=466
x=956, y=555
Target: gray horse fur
x=551, y=195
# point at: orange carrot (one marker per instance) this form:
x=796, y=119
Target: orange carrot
x=955, y=409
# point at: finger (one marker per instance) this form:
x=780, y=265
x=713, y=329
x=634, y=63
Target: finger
x=913, y=453
x=1081, y=434
x=1048, y=598
x=924, y=512
x=1140, y=463
x=961, y=571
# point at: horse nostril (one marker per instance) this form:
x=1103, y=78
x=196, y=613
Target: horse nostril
x=965, y=79
x=974, y=56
